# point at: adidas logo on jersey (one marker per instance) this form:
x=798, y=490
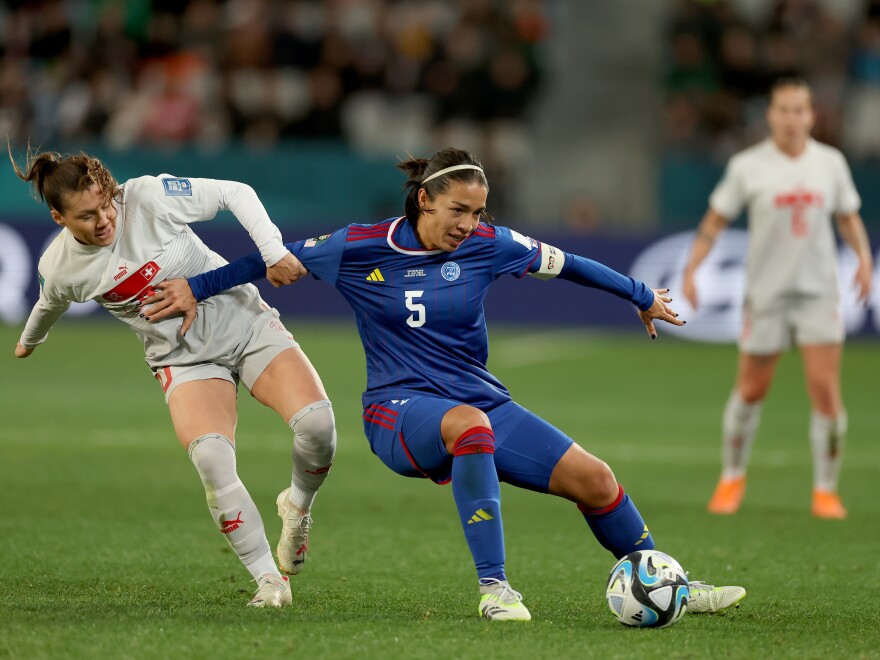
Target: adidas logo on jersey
x=375, y=276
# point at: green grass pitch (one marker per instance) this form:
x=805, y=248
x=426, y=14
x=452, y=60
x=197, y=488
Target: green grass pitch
x=108, y=551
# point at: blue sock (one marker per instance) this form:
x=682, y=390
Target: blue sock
x=478, y=498
x=619, y=527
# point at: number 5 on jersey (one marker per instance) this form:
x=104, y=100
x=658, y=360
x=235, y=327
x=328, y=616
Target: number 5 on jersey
x=417, y=318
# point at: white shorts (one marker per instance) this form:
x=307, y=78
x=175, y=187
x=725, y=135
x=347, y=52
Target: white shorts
x=265, y=340
x=800, y=321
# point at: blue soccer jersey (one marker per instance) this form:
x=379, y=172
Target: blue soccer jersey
x=420, y=312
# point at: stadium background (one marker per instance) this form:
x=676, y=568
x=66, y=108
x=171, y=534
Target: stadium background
x=604, y=125
x=600, y=134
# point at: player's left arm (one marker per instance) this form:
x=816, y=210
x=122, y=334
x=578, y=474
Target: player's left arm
x=183, y=200
x=850, y=225
x=239, y=198
x=521, y=255
x=852, y=230
x=652, y=304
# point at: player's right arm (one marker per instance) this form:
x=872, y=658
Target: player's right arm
x=50, y=307
x=725, y=203
x=22, y=352
x=710, y=227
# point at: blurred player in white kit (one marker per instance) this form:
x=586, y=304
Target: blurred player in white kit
x=119, y=240
x=792, y=187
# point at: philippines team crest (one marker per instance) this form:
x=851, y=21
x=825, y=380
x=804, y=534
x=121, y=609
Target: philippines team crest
x=450, y=271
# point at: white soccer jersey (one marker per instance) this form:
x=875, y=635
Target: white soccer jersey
x=153, y=242
x=790, y=203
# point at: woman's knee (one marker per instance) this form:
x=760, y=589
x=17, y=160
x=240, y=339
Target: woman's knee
x=461, y=419
x=585, y=479
x=753, y=390
x=824, y=396
x=603, y=487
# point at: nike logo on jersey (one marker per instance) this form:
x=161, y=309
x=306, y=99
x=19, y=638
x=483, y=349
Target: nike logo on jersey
x=133, y=284
x=375, y=276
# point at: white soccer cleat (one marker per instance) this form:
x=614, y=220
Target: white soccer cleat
x=272, y=591
x=709, y=599
x=294, y=543
x=499, y=602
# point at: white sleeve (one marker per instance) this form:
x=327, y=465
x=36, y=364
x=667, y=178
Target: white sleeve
x=241, y=199
x=848, y=200
x=727, y=199
x=182, y=200
x=46, y=312
x=177, y=200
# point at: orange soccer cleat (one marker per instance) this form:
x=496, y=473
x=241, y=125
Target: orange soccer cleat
x=828, y=505
x=728, y=496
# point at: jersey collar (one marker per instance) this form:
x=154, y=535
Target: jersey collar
x=75, y=246
x=808, y=149
x=405, y=232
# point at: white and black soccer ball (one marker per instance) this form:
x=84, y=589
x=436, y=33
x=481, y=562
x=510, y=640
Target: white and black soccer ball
x=647, y=589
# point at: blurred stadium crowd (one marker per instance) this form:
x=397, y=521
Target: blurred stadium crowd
x=508, y=79
x=722, y=59
x=378, y=73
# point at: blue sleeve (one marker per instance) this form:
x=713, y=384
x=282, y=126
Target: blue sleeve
x=519, y=255
x=321, y=256
x=587, y=272
x=241, y=271
x=515, y=254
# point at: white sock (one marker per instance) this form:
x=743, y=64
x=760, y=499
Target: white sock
x=739, y=426
x=314, y=446
x=263, y=565
x=230, y=504
x=827, y=438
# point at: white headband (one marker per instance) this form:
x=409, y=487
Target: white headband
x=453, y=169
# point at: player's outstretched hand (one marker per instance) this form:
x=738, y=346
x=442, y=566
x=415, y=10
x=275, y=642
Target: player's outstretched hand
x=659, y=310
x=286, y=271
x=863, y=281
x=689, y=288
x=22, y=352
x=169, y=298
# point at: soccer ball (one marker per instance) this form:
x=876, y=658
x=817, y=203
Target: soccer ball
x=647, y=589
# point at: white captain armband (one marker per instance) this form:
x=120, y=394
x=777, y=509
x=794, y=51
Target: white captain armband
x=552, y=261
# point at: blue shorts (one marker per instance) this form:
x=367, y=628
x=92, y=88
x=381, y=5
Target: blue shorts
x=405, y=435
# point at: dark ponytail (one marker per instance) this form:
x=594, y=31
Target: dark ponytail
x=419, y=169
x=54, y=177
